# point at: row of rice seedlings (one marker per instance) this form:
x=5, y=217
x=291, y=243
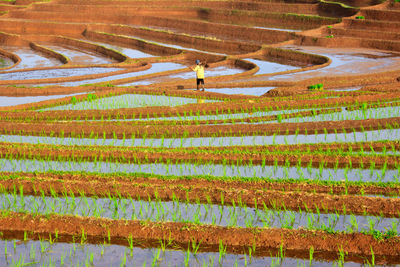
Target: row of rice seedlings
x=340, y=152
x=167, y=142
x=371, y=189
x=127, y=101
x=198, y=116
x=236, y=169
x=363, y=114
x=386, y=150
x=200, y=169
x=190, y=114
x=247, y=120
x=50, y=252
x=299, y=165
x=187, y=115
x=387, y=112
x=378, y=148
x=237, y=215
x=344, y=157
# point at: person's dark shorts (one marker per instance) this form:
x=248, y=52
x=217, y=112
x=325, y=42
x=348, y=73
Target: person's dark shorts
x=200, y=81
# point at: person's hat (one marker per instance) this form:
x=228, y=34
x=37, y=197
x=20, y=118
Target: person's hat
x=197, y=61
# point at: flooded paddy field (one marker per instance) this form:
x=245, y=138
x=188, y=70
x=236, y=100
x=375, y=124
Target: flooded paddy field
x=345, y=60
x=128, y=101
x=155, y=68
x=31, y=59
x=54, y=73
x=129, y=52
x=6, y=101
x=38, y=253
x=109, y=156
x=79, y=56
x=210, y=72
x=256, y=91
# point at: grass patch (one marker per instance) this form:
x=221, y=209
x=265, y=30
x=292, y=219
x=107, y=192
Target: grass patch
x=316, y=87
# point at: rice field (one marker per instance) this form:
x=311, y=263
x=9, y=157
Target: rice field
x=109, y=156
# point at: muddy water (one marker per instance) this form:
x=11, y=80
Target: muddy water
x=54, y=73
x=379, y=135
x=128, y=101
x=129, y=52
x=345, y=61
x=78, y=56
x=345, y=89
x=156, y=67
x=217, y=170
x=6, y=101
x=177, y=46
x=209, y=72
x=32, y=59
x=256, y=91
x=267, y=67
x=277, y=29
x=44, y=253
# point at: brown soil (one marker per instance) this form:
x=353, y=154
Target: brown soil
x=237, y=240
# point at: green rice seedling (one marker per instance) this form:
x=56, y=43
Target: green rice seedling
x=222, y=252
x=102, y=250
x=130, y=242
x=311, y=252
x=62, y=258
x=353, y=224
x=187, y=257
x=43, y=246
x=32, y=252
x=20, y=262
x=281, y=252
x=74, y=100
x=195, y=247
x=383, y=170
x=83, y=236
x=123, y=261
x=342, y=255
x=372, y=258
x=279, y=118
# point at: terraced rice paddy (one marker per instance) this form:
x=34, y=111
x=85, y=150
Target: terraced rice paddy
x=110, y=157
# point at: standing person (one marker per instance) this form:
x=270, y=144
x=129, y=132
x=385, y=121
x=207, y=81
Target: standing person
x=199, y=69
